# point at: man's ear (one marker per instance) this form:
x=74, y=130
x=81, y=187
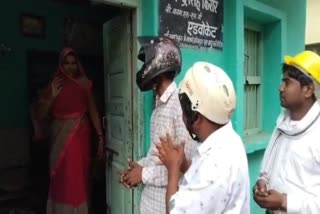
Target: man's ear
x=308, y=90
x=197, y=118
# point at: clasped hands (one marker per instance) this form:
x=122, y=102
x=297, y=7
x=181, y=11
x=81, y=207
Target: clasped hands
x=269, y=199
x=171, y=155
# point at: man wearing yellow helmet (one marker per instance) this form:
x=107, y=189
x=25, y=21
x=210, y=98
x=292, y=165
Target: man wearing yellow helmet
x=217, y=180
x=289, y=179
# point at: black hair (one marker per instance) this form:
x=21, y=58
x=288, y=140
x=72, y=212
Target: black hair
x=296, y=74
x=169, y=75
x=190, y=114
x=186, y=106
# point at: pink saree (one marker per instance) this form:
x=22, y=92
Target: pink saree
x=70, y=144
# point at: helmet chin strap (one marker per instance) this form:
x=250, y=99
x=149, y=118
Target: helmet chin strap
x=155, y=87
x=156, y=83
x=192, y=135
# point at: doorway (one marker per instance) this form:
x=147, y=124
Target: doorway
x=118, y=76
x=107, y=56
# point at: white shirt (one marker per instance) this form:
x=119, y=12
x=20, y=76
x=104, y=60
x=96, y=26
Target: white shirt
x=292, y=162
x=217, y=180
x=166, y=118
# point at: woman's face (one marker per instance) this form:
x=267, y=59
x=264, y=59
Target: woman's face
x=70, y=65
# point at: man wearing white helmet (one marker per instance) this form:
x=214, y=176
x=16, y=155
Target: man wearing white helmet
x=289, y=179
x=216, y=181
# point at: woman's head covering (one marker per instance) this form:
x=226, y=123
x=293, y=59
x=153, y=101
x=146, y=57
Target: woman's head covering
x=64, y=53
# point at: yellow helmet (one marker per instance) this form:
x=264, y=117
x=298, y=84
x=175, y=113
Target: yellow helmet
x=308, y=62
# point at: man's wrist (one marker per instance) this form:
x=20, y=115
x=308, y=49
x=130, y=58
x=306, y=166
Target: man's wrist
x=174, y=173
x=265, y=180
x=174, y=177
x=284, y=203
x=185, y=166
x=175, y=169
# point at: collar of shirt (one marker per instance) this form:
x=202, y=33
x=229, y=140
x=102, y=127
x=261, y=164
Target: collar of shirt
x=294, y=128
x=214, y=139
x=167, y=94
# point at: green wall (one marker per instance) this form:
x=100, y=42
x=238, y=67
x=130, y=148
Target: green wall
x=254, y=167
x=150, y=27
x=13, y=66
x=283, y=25
x=283, y=29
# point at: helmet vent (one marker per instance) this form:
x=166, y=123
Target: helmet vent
x=225, y=89
x=207, y=69
x=196, y=105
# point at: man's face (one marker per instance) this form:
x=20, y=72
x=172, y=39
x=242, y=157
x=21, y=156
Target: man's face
x=156, y=84
x=291, y=93
x=191, y=128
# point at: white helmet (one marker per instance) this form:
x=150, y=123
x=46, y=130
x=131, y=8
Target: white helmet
x=210, y=91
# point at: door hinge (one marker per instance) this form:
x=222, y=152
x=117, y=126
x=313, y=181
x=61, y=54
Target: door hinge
x=108, y=208
x=131, y=42
x=131, y=31
x=104, y=123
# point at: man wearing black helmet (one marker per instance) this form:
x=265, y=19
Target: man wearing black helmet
x=162, y=63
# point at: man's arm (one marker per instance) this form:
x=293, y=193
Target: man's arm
x=155, y=175
x=309, y=202
x=173, y=186
x=182, y=135
x=158, y=175
x=142, y=162
x=296, y=203
x=185, y=166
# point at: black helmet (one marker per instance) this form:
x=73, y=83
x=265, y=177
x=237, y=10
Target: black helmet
x=159, y=55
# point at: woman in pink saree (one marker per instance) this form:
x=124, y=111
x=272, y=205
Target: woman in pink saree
x=69, y=104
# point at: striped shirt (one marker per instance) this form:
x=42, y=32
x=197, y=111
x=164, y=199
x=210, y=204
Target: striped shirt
x=166, y=118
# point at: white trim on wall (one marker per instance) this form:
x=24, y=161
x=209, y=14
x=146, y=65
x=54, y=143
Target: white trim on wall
x=119, y=3
x=313, y=22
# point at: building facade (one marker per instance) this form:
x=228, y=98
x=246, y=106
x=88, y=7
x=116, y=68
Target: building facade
x=256, y=36
x=253, y=37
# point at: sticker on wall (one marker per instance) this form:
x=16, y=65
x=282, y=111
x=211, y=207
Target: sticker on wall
x=32, y=26
x=83, y=35
x=314, y=47
x=196, y=24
